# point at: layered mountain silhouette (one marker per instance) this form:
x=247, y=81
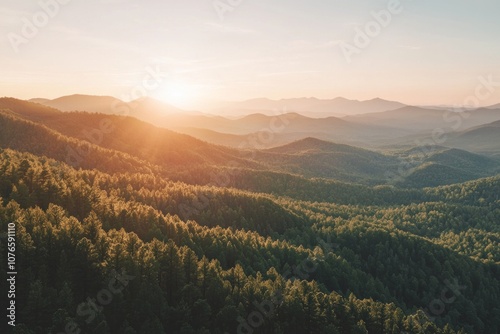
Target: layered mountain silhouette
x=289, y=143
x=417, y=119
x=483, y=138
x=312, y=107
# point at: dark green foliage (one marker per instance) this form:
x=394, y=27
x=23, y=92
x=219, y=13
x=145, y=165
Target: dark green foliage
x=215, y=240
x=307, y=260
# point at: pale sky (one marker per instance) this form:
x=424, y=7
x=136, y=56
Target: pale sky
x=431, y=53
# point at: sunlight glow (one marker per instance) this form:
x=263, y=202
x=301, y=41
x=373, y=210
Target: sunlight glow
x=180, y=95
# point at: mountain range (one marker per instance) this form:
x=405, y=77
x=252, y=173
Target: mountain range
x=306, y=145
x=350, y=239
x=312, y=107
x=265, y=123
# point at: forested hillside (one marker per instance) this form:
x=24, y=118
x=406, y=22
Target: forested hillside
x=243, y=248
x=150, y=231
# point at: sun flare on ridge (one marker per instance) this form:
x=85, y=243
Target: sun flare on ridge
x=178, y=94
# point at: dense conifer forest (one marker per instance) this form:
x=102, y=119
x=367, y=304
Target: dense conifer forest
x=143, y=230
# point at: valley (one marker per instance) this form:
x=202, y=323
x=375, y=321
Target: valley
x=333, y=238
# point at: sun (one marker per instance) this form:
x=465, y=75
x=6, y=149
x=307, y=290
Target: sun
x=177, y=94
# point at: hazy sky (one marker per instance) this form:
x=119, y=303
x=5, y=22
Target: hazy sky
x=431, y=53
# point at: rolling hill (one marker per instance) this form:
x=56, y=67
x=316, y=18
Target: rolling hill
x=416, y=119
x=27, y=136
x=470, y=162
x=435, y=174
x=312, y=157
x=145, y=108
x=128, y=135
x=484, y=138
x=23, y=108
x=439, y=165
x=79, y=102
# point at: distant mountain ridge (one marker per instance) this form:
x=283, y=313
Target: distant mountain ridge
x=144, y=108
x=80, y=102
x=310, y=106
x=137, y=141
x=418, y=119
x=401, y=126
x=484, y=138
